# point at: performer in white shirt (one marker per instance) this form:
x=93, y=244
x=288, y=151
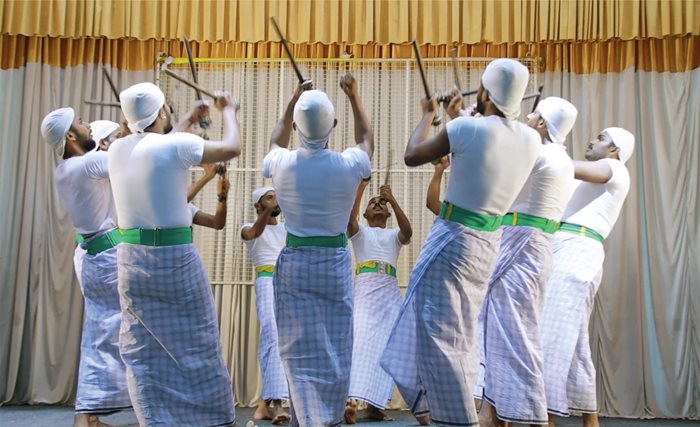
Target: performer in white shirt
x=600, y=190
x=376, y=298
x=514, y=380
x=169, y=335
x=82, y=183
x=433, y=364
x=264, y=239
x=315, y=188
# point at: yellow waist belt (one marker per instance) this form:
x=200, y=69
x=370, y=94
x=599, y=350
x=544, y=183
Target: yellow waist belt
x=375, y=267
x=264, y=271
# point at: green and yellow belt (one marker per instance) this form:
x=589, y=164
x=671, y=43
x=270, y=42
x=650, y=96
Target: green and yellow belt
x=157, y=236
x=339, y=241
x=476, y=221
x=375, y=267
x=264, y=271
x=580, y=230
x=521, y=219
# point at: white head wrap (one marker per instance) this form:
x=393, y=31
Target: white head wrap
x=260, y=192
x=624, y=140
x=141, y=104
x=559, y=115
x=101, y=129
x=506, y=81
x=314, y=116
x=55, y=126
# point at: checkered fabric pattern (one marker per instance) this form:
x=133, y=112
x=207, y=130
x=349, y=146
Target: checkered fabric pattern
x=78, y=264
x=313, y=309
x=169, y=338
x=577, y=263
x=513, y=363
x=436, y=329
x=274, y=381
x=102, y=375
x=377, y=300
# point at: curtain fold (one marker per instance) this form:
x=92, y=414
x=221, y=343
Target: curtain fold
x=354, y=21
x=671, y=54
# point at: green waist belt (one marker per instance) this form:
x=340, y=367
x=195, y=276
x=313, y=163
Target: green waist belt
x=580, y=230
x=157, y=237
x=470, y=219
x=375, y=267
x=102, y=242
x=264, y=271
x=339, y=241
x=544, y=224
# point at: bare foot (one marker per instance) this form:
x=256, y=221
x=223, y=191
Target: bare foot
x=262, y=412
x=351, y=411
x=88, y=420
x=374, y=413
x=423, y=420
x=590, y=420
x=279, y=414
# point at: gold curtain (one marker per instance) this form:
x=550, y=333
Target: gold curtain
x=671, y=54
x=359, y=22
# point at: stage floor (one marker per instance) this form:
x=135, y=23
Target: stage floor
x=62, y=416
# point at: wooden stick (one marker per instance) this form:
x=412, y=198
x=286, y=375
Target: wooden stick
x=194, y=86
x=455, y=71
x=110, y=82
x=537, y=97
x=287, y=50
x=193, y=70
x=437, y=119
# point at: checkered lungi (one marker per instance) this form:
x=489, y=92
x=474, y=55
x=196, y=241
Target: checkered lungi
x=313, y=309
x=169, y=338
x=432, y=353
x=274, y=383
x=78, y=264
x=513, y=364
x=377, y=301
x=102, y=385
x=569, y=373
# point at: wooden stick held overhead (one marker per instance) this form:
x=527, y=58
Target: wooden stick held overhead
x=102, y=103
x=204, y=121
x=110, y=82
x=437, y=119
x=297, y=71
x=194, y=86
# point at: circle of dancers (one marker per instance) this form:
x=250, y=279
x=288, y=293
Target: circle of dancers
x=498, y=301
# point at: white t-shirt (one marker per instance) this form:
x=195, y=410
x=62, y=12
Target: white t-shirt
x=193, y=209
x=597, y=206
x=316, y=189
x=149, y=175
x=549, y=186
x=376, y=244
x=82, y=183
x=265, y=249
x=491, y=160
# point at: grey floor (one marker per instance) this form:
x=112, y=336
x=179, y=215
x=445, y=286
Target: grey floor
x=62, y=416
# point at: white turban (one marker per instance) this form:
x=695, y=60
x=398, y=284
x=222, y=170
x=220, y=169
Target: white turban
x=260, y=192
x=55, y=126
x=314, y=116
x=624, y=140
x=559, y=115
x=506, y=81
x=141, y=104
x=101, y=129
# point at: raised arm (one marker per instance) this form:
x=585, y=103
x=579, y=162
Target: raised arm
x=230, y=146
x=405, y=230
x=353, y=225
x=421, y=149
x=363, y=130
x=218, y=220
x=432, y=200
x=283, y=129
x=201, y=109
x=256, y=230
x=598, y=172
x=209, y=174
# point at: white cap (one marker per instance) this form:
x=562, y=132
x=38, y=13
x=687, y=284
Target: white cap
x=559, y=115
x=623, y=139
x=55, y=126
x=506, y=80
x=141, y=104
x=101, y=129
x=260, y=192
x=314, y=116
